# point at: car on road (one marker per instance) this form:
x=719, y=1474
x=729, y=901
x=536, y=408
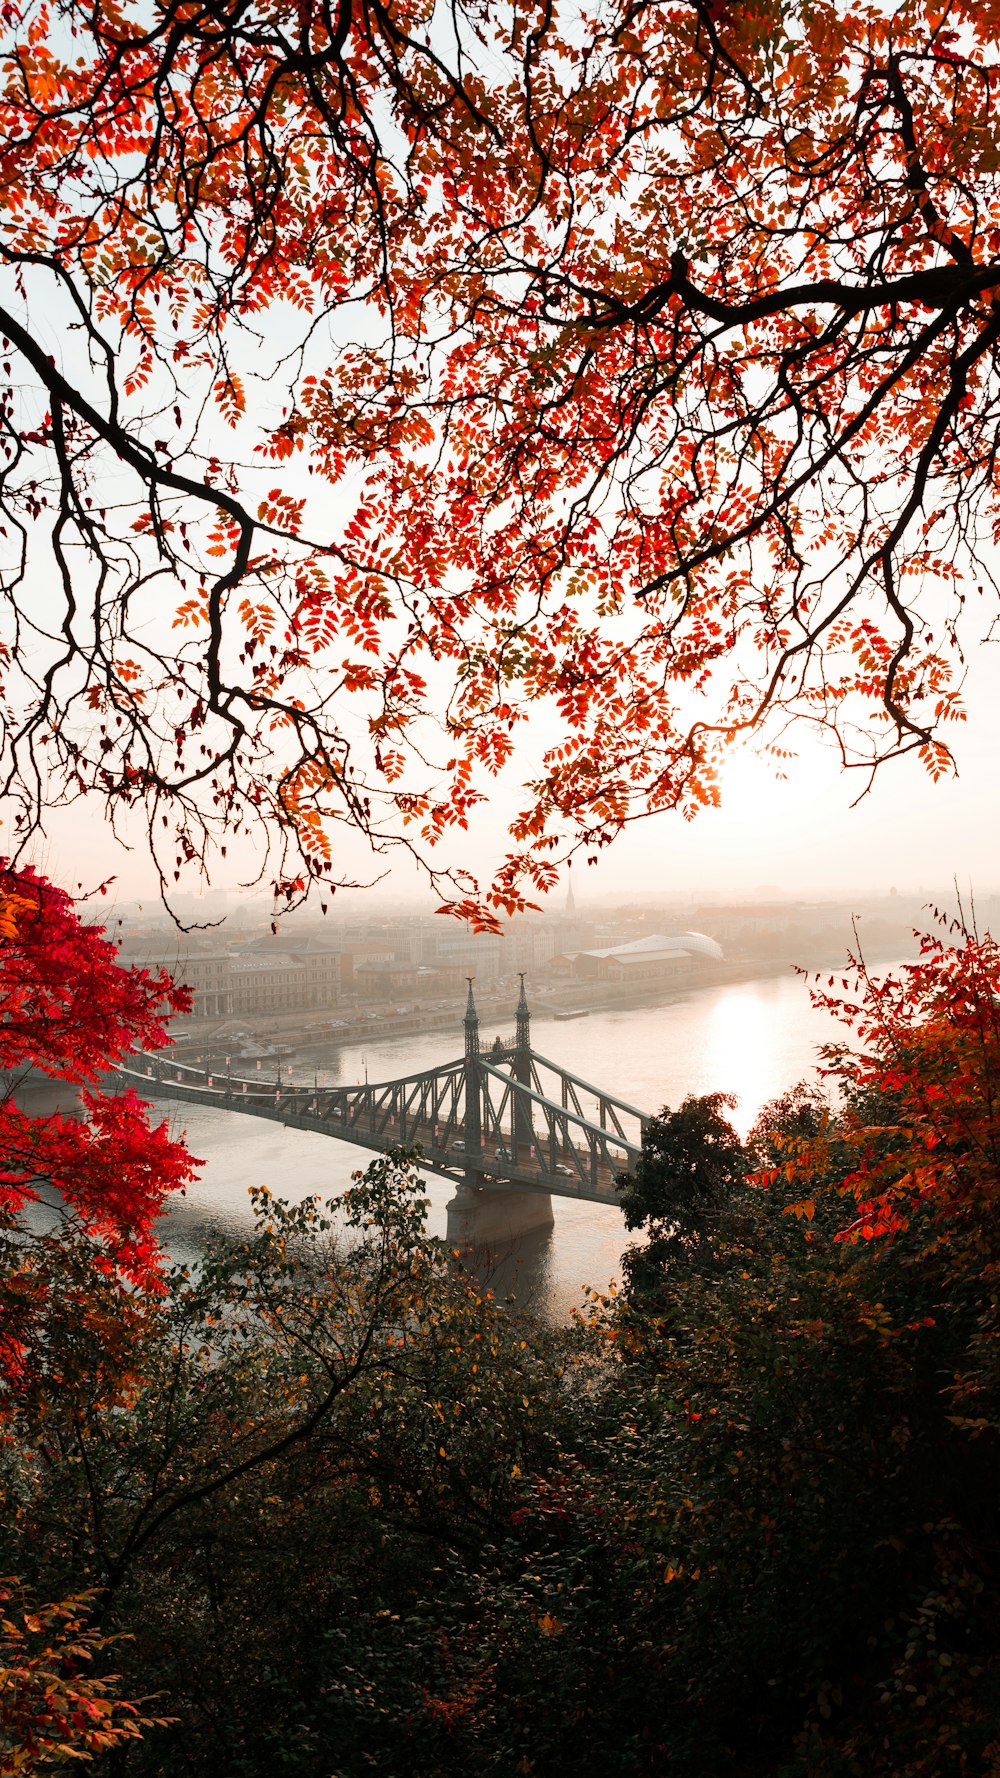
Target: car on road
x=565, y=1172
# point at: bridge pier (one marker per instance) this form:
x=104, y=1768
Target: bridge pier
x=492, y=1217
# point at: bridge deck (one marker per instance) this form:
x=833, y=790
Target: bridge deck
x=573, y=1159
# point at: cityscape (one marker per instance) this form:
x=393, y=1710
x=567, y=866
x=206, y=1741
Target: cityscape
x=408, y=971
x=321, y=979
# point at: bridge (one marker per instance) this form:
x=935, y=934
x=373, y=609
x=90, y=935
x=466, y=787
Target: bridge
x=508, y=1127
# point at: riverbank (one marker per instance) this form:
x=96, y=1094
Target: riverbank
x=311, y=1035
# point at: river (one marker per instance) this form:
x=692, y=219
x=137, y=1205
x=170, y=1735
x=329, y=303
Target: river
x=753, y=1039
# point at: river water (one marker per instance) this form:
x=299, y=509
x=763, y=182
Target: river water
x=753, y=1039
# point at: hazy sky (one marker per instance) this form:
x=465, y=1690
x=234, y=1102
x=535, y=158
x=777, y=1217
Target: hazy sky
x=801, y=836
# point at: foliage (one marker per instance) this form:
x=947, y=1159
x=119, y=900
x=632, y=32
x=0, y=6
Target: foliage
x=422, y=365
x=284, y=1502
x=819, y=1414
x=51, y=1709
x=777, y=1529
x=798, y=1113
x=920, y=1132
x=691, y=1167
x=336, y=1509
x=72, y=1012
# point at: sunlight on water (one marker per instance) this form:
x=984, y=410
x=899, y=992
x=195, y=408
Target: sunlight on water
x=739, y=1041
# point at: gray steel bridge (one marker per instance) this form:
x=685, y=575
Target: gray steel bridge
x=502, y=1118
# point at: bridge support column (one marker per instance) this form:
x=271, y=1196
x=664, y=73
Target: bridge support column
x=493, y=1218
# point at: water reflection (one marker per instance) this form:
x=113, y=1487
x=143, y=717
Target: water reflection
x=747, y=1052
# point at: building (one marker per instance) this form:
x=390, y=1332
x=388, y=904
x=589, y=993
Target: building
x=268, y=982
x=660, y=957
x=209, y=976
x=452, y=948
x=258, y=980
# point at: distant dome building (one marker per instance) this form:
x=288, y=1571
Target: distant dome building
x=700, y=945
x=660, y=956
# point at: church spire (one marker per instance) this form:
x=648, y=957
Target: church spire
x=570, y=899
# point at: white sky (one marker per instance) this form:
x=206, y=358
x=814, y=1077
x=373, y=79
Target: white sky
x=801, y=835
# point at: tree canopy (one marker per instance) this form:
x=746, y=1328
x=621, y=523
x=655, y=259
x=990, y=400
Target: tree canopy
x=689, y=1174
x=377, y=373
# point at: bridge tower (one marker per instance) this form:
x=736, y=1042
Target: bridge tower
x=522, y=1131
x=473, y=1085
x=492, y=1217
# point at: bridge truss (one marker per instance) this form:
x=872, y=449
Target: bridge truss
x=506, y=1118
